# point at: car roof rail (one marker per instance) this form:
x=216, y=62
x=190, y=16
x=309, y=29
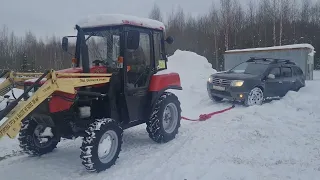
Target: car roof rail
x=271, y=60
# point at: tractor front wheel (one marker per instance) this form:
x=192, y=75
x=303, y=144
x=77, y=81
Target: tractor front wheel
x=101, y=145
x=165, y=119
x=37, y=139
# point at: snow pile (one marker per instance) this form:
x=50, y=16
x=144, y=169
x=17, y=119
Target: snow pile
x=194, y=71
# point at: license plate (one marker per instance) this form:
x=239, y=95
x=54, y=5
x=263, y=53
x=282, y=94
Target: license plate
x=219, y=88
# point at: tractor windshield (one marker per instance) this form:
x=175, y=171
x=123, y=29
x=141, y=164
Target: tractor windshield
x=103, y=45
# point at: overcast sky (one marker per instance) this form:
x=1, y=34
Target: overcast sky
x=48, y=17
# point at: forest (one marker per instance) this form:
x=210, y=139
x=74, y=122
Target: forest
x=227, y=25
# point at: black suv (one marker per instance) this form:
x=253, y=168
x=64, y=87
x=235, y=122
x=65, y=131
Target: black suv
x=256, y=80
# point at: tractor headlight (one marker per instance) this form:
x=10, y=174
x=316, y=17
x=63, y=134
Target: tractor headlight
x=210, y=79
x=237, y=83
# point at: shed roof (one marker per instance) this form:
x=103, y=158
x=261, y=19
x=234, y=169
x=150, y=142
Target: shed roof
x=274, y=48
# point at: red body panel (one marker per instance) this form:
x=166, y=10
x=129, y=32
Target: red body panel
x=162, y=81
x=57, y=104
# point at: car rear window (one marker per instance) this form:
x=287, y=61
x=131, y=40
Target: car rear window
x=297, y=71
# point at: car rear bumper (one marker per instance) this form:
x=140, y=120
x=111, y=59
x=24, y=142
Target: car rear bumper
x=230, y=93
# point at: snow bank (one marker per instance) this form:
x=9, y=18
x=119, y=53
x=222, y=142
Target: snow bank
x=194, y=71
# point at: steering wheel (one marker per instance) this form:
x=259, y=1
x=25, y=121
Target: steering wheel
x=97, y=62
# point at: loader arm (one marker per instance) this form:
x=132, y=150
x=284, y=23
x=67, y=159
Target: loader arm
x=63, y=82
x=12, y=78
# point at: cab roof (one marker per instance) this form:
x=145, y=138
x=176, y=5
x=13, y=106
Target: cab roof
x=105, y=20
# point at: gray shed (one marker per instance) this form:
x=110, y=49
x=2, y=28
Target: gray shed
x=301, y=54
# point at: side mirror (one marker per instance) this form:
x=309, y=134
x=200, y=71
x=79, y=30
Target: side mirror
x=271, y=76
x=169, y=40
x=65, y=44
x=133, y=40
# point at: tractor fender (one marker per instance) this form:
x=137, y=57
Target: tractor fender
x=162, y=82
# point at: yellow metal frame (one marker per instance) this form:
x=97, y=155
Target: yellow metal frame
x=12, y=77
x=63, y=82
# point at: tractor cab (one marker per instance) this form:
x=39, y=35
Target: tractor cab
x=131, y=49
x=113, y=43
x=107, y=43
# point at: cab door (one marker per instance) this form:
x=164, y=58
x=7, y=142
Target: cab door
x=137, y=78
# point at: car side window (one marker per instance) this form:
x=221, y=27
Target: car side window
x=275, y=72
x=286, y=72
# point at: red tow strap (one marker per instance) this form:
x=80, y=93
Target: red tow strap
x=204, y=117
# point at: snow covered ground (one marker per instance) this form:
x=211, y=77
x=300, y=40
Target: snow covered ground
x=279, y=140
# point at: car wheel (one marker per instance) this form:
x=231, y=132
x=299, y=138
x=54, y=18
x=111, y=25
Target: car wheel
x=255, y=97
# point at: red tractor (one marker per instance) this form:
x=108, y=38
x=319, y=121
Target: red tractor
x=114, y=84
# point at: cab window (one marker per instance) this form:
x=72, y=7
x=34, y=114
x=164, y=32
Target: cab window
x=158, y=51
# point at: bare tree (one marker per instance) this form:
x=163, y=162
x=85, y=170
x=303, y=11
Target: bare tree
x=226, y=18
x=215, y=28
x=155, y=13
x=275, y=15
x=224, y=27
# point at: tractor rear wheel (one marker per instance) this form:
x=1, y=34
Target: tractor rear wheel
x=165, y=119
x=101, y=145
x=35, y=139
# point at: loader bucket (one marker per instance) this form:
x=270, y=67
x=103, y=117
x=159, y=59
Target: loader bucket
x=14, y=103
x=14, y=79
x=5, y=126
x=5, y=86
